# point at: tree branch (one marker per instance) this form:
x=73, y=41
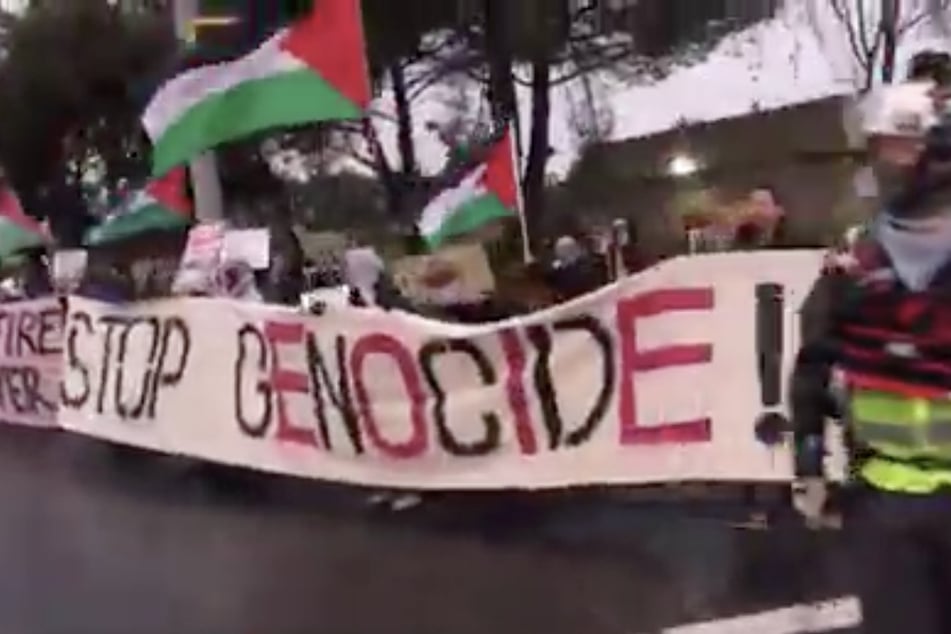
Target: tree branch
x=861, y=8
x=844, y=15
x=927, y=13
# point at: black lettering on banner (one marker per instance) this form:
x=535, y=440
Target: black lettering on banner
x=6, y=323
x=11, y=391
x=247, y=336
x=602, y=337
x=163, y=377
x=74, y=364
x=770, y=305
x=111, y=323
x=542, y=340
x=33, y=382
x=20, y=390
x=135, y=411
x=114, y=349
x=27, y=333
x=340, y=398
x=49, y=340
x=493, y=429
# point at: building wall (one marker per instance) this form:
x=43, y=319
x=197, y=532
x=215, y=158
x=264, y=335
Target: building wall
x=803, y=153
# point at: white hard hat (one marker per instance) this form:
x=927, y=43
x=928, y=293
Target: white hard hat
x=906, y=110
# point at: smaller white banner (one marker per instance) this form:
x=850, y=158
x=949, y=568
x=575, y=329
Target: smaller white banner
x=31, y=336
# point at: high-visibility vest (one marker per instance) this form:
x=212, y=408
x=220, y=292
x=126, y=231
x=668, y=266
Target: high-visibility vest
x=909, y=436
x=893, y=344
x=901, y=426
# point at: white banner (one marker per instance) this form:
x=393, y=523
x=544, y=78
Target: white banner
x=662, y=377
x=31, y=336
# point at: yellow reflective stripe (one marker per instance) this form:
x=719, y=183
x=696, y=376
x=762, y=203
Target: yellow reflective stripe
x=903, y=478
x=937, y=432
x=903, y=428
x=888, y=433
x=892, y=422
x=883, y=407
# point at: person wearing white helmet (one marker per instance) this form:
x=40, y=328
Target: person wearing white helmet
x=877, y=356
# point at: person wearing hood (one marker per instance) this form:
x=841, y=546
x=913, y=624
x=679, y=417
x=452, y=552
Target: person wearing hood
x=367, y=282
x=573, y=272
x=369, y=286
x=35, y=274
x=877, y=357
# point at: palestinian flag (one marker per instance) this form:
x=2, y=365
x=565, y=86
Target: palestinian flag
x=486, y=194
x=18, y=231
x=313, y=70
x=163, y=205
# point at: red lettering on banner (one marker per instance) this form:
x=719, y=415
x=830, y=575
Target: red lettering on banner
x=515, y=388
x=634, y=360
x=287, y=382
x=385, y=344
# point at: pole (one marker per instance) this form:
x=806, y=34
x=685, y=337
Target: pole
x=891, y=10
x=206, y=183
x=527, y=256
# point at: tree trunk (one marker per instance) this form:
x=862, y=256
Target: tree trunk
x=388, y=178
x=498, y=49
x=891, y=9
x=404, y=119
x=534, y=185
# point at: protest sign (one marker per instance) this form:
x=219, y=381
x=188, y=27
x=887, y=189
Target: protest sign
x=69, y=267
x=457, y=274
x=202, y=256
x=248, y=245
x=661, y=377
x=31, y=334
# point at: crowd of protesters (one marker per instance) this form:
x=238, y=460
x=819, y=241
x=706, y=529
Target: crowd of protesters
x=153, y=266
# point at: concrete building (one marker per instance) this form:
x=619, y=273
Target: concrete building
x=13, y=6
x=807, y=155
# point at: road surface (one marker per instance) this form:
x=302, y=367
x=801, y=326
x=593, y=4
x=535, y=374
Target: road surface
x=99, y=541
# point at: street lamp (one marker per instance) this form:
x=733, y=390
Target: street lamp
x=682, y=165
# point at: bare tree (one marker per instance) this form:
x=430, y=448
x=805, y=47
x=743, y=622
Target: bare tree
x=874, y=28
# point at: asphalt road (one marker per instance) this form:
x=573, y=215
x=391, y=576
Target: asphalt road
x=100, y=541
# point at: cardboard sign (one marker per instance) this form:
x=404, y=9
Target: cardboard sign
x=203, y=254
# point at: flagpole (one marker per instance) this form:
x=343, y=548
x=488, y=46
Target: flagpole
x=206, y=182
x=527, y=255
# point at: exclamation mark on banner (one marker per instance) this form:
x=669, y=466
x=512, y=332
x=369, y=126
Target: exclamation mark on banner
x=769, y=355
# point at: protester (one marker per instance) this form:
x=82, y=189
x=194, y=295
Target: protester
x=368, y=286
x=284, y=281
x=35, y=275
x=574, y=272
x=877, y=325
x=749, y=236
x=625, y=256
x=106, y=281
x=235, y=279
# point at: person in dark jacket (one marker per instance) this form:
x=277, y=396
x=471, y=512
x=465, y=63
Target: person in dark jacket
x=37, y=281
x=369, y=286
x=574, y=271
